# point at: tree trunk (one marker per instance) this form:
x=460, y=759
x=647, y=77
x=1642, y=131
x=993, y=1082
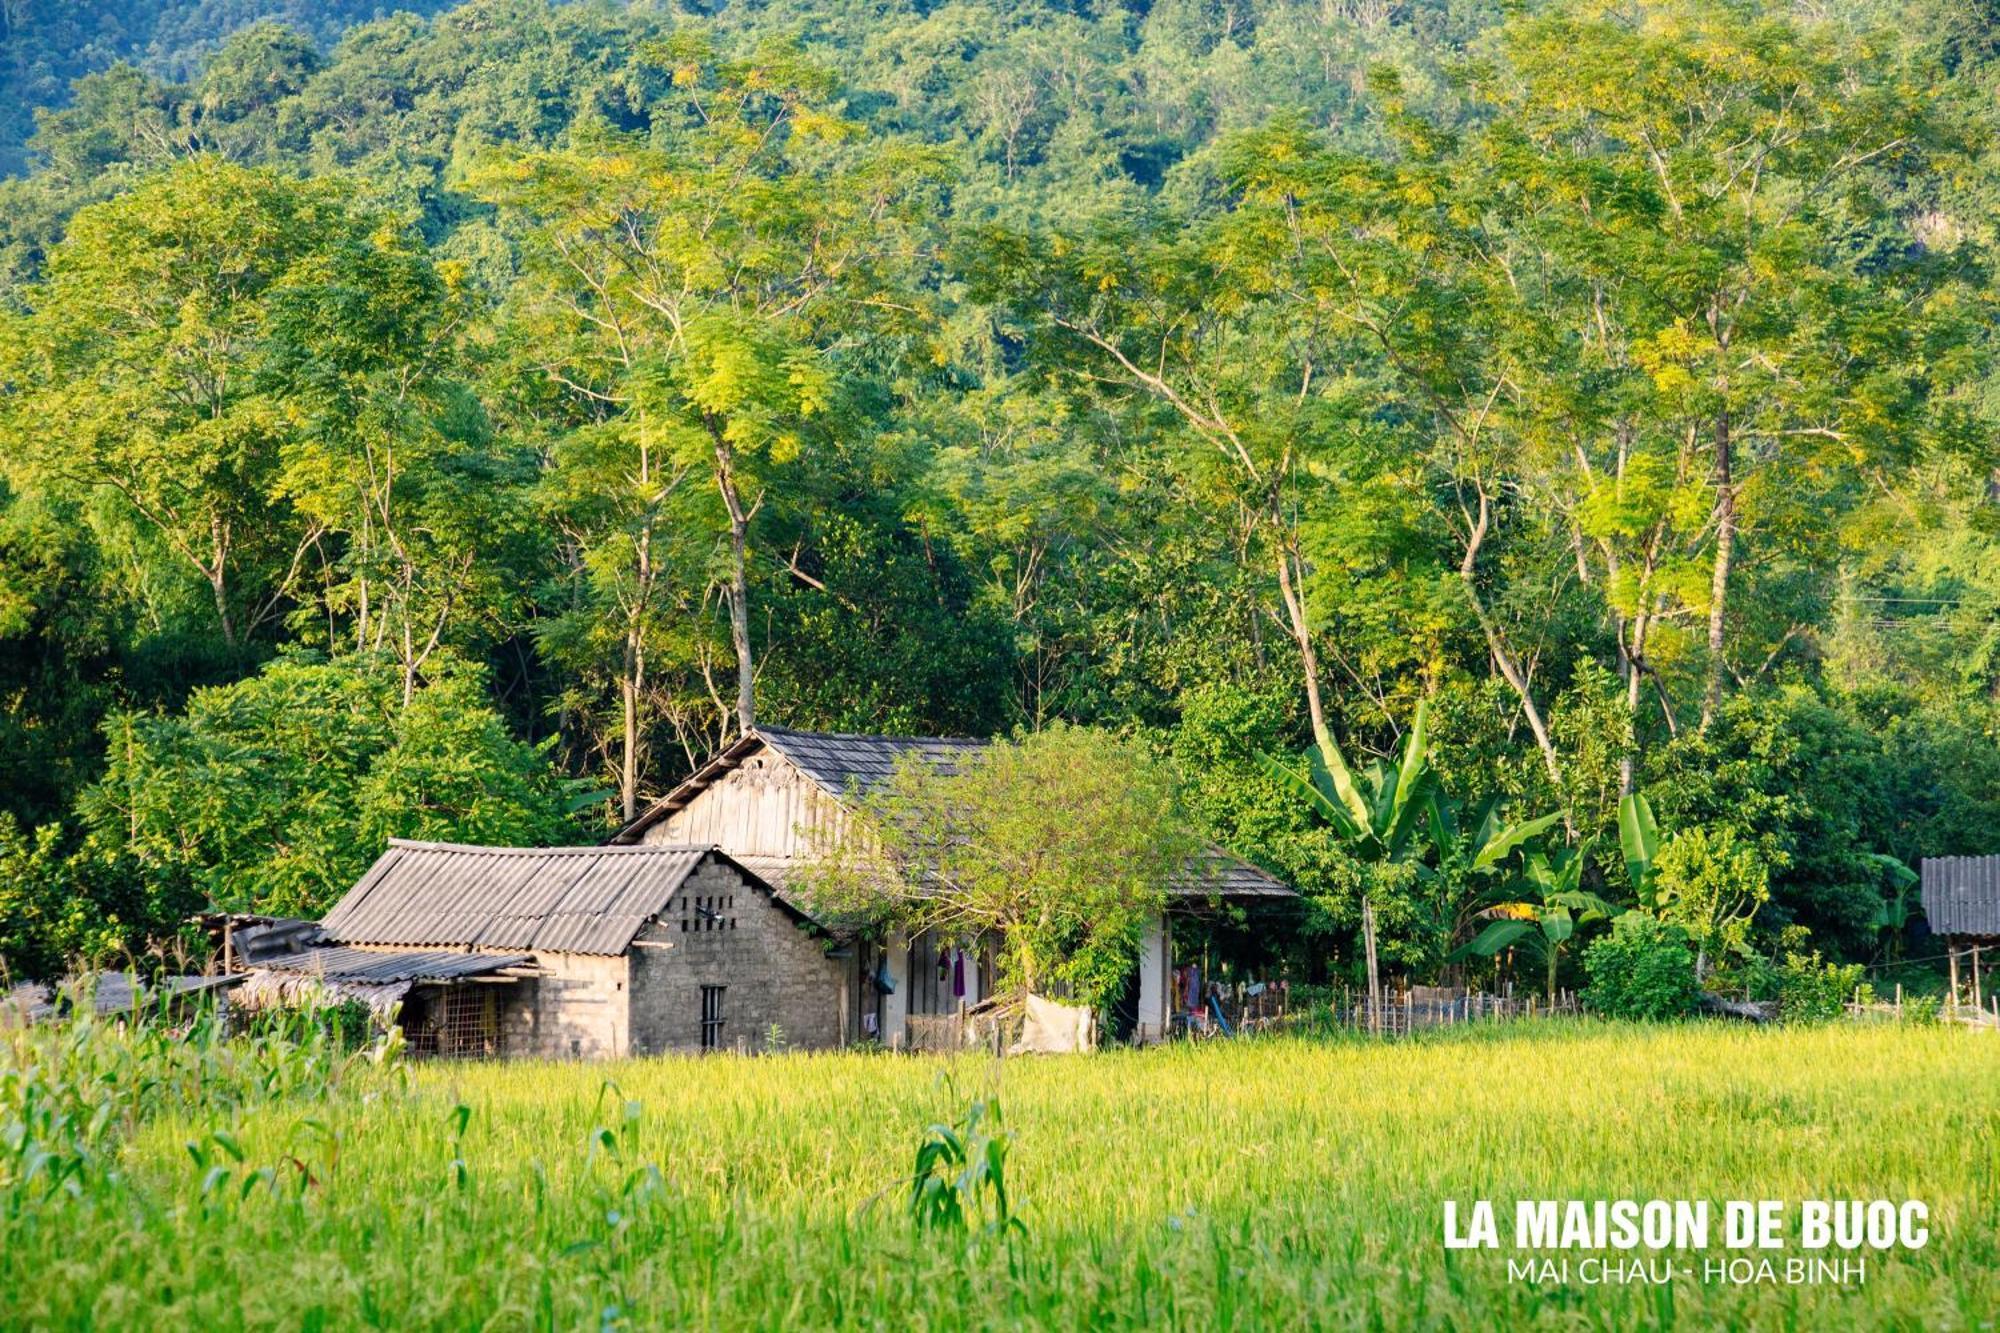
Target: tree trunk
x=1295, y=614
x=1374, y=976
x=739, y=626
x=221, y=591
x=1497, y=646
x=1634, y=655
x=1725, y=557
x=739, y=582
x=628, y=761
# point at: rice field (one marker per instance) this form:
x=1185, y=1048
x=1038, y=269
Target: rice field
x=1269, y=1184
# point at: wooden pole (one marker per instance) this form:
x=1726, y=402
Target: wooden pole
x=1977, y=1001
x=1951, y=952
x=1374, y=977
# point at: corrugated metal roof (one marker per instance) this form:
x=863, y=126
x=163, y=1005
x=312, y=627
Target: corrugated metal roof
x=590, y=900
x=1962, y=894
x=373, y=967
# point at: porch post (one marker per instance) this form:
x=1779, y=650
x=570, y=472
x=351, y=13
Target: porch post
x=1154, y=970
x=896, y=1004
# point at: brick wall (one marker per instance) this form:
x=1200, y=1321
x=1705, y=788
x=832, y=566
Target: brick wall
x=720, y=930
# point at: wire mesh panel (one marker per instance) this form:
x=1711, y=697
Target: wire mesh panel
x=453, y=1022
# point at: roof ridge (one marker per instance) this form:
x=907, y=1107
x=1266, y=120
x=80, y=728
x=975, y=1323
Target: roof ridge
x=592, y=849
x=763, y=730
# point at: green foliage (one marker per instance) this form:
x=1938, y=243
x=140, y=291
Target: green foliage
x=46, y=918
x=1546, y=917
x=1923, y=1010
x=1644, y=969
x=959, y=1182
x=1238, y=376
x=73, y=1091
x=1426, y=865
x=1707, y=881
x=1806, y=789
x=272, y=795
x=1639, y=839
x=1061, y=843
x=1807, y=987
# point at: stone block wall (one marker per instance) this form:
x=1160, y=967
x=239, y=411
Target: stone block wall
x=579, y=1009
x=721, y=930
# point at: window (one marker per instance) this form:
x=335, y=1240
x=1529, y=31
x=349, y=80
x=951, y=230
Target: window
x=711, y=1017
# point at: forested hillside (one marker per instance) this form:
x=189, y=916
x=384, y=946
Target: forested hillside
x=464, y=427
x=45, y=44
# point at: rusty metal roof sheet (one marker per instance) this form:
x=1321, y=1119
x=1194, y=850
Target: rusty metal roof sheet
x=1962, y=894
x=589, y=900
x=375, y=967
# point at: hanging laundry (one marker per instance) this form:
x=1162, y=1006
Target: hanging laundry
x=958, y=973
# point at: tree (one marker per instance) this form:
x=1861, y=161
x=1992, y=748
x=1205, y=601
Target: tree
x=273, y=794
x=1731, y=179
x=1061, y=844
x=1206, y=323
x=707, y=300
x=149, y=339
x=389, y=456
x=1712, y=884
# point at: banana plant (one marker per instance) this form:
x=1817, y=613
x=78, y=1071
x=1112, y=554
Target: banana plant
x=1378, y=813
x=1483, y=846
x=1544, y=919
x=1894, y=911
x=1639, y=839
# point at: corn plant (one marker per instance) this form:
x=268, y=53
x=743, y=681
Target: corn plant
x=959, y=1183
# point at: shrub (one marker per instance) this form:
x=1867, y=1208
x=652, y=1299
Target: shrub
x=1812, y=990
x=1923, y=1010
x=1643, y=969
x=1711, y=882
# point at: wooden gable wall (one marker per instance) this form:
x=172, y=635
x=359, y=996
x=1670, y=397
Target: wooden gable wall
x=763, y=807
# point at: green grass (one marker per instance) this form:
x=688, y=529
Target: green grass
x=1274, y=1184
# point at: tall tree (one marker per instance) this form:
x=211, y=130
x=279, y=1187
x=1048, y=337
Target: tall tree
x=1735, y=176
x=149, y=341
x=710, y=297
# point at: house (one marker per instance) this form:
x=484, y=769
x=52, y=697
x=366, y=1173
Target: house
x=684, y=933
x=776, y=798
x=1961, y=896
x=562, y=951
